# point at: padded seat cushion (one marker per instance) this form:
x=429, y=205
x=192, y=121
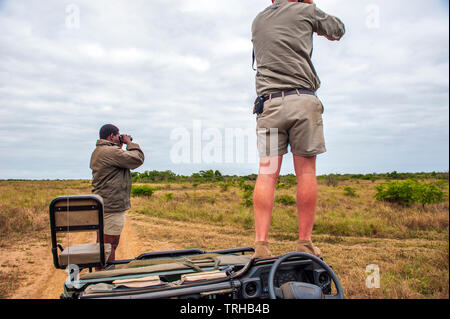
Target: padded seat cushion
x=83, y=254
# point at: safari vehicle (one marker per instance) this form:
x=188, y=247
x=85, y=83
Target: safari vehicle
x=179, y=274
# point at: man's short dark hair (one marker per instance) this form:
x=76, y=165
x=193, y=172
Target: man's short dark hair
x=107, y=130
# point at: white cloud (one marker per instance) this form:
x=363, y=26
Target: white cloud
x=151, y=66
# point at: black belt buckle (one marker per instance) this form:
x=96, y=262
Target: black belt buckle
x=259, y=105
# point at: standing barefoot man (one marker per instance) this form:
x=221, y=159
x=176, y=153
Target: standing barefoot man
x=289, y=112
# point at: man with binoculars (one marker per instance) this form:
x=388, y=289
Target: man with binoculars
x=111, y=179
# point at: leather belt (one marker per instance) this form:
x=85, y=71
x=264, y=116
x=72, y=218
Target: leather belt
x=286, y=93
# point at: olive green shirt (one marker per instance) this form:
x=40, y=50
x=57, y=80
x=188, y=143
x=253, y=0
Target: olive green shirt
x=111, y=176
x=282, y=38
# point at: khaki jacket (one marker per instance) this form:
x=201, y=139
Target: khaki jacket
x=282, y=38
x=111, y=176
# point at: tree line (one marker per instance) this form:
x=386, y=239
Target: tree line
x=208, y=176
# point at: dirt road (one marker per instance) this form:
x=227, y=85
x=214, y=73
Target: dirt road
x=38, y=278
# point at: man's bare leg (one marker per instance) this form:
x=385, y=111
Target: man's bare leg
x=114, y=241
x=263, y=195
x=305, y=169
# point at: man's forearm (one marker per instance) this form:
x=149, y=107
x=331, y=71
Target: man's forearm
x=137, y=157
x=328, y=26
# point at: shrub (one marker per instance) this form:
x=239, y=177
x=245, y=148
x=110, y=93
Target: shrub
x=348, y=191
x=247, y=202
x=442, y=184
x=332, y=180
x=285, y=200
x=246, y=187
x=168, y=197
x=248, y=193
x=430, y=194
x=224, y=186
x=154, y=176
x=408, y=192
x=283, y=186
x=141, y=191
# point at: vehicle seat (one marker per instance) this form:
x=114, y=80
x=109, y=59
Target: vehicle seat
x=70, y=214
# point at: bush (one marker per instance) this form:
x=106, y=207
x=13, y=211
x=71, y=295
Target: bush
x=430, y=194
x=285, y=200
x=408, y=192
x=246, y=187
x=224, y=186
x=168, y=197
x=442, y=184
x=332, y=180
x=154, y=176
x=283, y=186
x=141, y=191
x=348, y=191
x=247, y=200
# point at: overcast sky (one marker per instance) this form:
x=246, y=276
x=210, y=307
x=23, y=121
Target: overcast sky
x=155, y=68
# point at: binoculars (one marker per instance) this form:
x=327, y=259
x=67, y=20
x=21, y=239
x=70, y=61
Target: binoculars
x=121, y=139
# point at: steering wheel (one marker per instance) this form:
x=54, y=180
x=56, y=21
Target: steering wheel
x=275, y=266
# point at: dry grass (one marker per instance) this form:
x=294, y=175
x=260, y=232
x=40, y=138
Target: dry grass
x=410, y=245
x=24, y=204
x=337, y=214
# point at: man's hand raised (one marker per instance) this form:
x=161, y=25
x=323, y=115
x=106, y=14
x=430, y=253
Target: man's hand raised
x=126, y=139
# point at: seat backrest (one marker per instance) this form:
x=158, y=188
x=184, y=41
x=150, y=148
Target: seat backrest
x=76, y=214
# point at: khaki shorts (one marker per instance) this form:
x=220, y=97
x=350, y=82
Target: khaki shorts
x=294, y=120
x=113, y=223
